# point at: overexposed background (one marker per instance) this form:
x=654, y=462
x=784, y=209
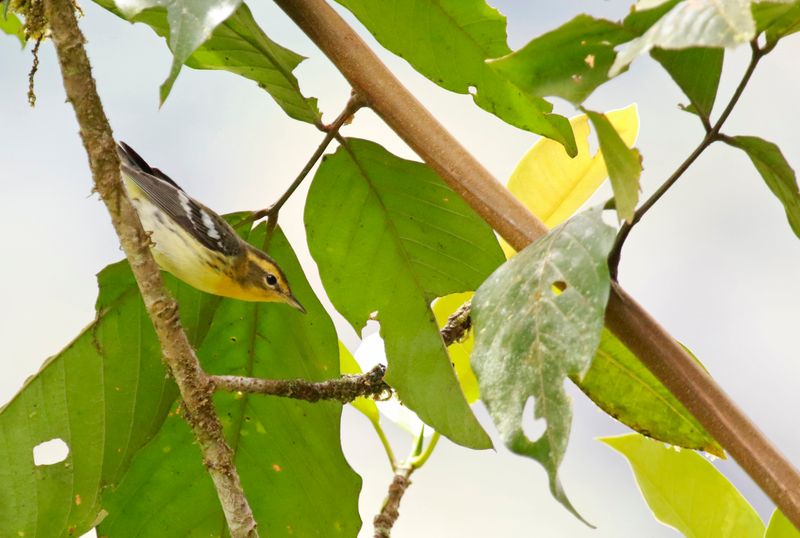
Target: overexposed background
x=715, y=261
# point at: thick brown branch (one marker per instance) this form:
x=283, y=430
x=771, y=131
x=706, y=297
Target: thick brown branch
x=344, y=389
x=179, y=356
x=627, y=319
x=389, y=513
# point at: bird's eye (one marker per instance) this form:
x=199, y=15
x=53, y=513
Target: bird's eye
x=271, y=279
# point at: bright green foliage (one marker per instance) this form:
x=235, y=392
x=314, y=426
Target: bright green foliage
x=105, y=395
x=700, y=23
x=449, y=42
x=11, y=25
x=569, y=62
x=530, y=335
x=240, y=46
x=367, y=406
x=287, y=452
x=624, y=165
x=389, y=237
x=780, y=527
x=625, y=389
x=776, y=171
x=459, y=351
x=696, y=71
x=777, y=19
x=686, y=492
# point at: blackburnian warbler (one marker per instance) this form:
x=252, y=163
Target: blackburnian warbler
x=194, y=243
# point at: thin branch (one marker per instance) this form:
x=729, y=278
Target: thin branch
x=179, y=356
x=331, y=131
x=711, y=136
x=344, y=389
x=389, y=513
x=642, y=334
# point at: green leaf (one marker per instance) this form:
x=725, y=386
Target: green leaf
x=625, y=389
x=449, y=41
x=11, y=25
x=624, y=165
x=780, y=527
x=389, y=237
x=287, y=452
x=777, y=174
x=699, y=23
x=697, y=71
x=240, y=46
x=569, y=62
x=686, y=492
x=777, y=19
x=105, y=395
x=529, y=336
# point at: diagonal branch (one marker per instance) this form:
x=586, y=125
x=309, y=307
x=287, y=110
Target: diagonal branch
x=626, y=318
x=179, y=356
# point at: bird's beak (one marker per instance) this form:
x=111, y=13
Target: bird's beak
x=291, y=301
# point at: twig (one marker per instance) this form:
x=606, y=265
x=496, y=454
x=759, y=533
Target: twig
x=163, y=311
x=389, y=513
x=711, y=136
x=690, y=384
x=344, y=389
x=331, y=131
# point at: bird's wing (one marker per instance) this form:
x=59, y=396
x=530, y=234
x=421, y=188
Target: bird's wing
x=207, y=227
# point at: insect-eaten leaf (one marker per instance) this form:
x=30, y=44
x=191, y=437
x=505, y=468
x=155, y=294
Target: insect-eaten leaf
x=538, y=320
x=776, y=171
x=624, y=165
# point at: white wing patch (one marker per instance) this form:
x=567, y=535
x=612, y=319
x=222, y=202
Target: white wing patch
x=213, y=233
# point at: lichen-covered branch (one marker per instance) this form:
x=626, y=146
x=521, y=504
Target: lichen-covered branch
x=344, y=389
x=179, y=356
x=389, y=513
x=457, y=324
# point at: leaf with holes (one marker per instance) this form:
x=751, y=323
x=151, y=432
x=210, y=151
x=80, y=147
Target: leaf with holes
x=538, y=320
x=569, y=62
x=776, y=172
x=237, y=44
x=288, y=452
x=105, y=395
x=451, y=48
x=699, y=23
x=389, y=237
x=624, y=388
x=686, y=492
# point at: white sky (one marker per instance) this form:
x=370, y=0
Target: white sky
x=715, y=261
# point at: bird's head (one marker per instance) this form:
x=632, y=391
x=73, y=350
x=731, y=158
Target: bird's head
x=262, y=280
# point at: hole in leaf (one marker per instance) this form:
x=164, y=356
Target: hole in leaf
x=50, y=452
x=533, y=428
x=558, y=287
x=472, y=90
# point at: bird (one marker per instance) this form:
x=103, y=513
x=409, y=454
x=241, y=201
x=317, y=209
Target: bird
x=195, y=244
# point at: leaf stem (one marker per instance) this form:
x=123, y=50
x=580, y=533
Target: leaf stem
x=331, y=132
x=711, y=136
x=420, y=460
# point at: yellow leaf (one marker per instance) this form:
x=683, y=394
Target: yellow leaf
x=459, y=352
x=348, y=365
x=553, y=185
